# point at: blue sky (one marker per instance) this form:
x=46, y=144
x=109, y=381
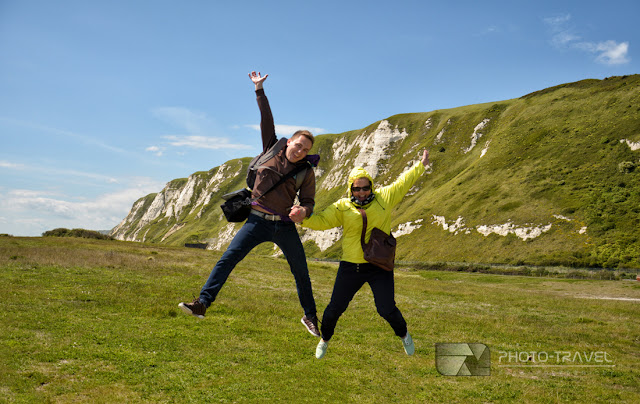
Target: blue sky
x=103, y=102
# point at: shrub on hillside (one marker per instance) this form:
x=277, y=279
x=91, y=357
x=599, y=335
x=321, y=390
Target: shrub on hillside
x=62, y=232
x=626, y=167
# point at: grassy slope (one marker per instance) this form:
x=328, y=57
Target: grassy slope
x=553, y=152
x=97, y=321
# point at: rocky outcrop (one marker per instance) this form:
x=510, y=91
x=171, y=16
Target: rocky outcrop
x=180, y=200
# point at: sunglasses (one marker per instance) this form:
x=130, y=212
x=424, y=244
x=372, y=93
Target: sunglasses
x=358, y=189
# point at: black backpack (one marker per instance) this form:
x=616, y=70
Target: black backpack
x=259, y=160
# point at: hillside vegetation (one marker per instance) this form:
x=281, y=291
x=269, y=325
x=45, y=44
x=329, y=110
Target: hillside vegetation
x=62, y=232
x=550, y=178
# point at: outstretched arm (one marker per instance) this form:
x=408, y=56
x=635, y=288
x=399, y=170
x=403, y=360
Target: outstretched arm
x=394, y=193
x=257, y=79
x=328, y=218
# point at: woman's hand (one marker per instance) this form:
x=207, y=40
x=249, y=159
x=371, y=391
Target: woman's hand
x=257, y=79
x=425, y=158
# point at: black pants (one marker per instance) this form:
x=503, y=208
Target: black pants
x=349, y=280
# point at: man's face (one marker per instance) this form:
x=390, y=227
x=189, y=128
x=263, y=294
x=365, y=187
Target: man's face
x=297, y=148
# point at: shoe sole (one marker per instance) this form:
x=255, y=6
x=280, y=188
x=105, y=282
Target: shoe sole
x=188, y=310
x=309, y=329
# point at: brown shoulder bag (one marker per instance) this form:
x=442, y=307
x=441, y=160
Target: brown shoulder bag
x=381, y=248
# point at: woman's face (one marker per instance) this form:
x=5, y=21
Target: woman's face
x=361, y=188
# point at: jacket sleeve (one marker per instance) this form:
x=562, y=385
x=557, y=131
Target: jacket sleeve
x=267, y=126
x=327, y=218
x=394, y=193
x=307, y=193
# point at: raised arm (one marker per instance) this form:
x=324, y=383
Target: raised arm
x=394, y=193
x=267, y=126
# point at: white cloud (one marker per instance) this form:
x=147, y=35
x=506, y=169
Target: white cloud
x=562, y=33
x=83, y=174
x=558, y=21
x=158, y=151
x=491, y=29
x=7, y=164
x=204, y=142
x=89, y=140
x=192, y=121
x=30, y=213
x=200, y=131
x=28, y=193
x=564, y=38
x=607, y=52
x=53, y=171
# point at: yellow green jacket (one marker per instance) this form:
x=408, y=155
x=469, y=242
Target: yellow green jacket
x=345, y=213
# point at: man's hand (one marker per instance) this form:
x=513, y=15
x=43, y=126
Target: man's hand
x=298, y=214
x=257, y=79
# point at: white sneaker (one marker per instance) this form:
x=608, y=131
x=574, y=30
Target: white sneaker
x=321, y=349
x=407, y=343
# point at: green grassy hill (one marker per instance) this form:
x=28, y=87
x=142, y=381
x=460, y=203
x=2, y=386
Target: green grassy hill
x=550, y=178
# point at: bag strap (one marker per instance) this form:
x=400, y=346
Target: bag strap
x=300, y=177
x=364, y=226
x=283, y=179
x=268, y=154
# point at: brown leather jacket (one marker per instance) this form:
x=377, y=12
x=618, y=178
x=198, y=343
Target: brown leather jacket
x=281, y=199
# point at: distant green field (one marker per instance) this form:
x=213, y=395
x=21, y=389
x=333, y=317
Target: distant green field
x=97, y=321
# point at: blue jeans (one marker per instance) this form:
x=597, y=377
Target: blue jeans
x=257, y=230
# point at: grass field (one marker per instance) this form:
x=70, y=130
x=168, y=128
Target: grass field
x=97, y=321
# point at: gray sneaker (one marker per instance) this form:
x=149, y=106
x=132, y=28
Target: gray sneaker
x=196, y=308
x=407, y=343
x=311, y=324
